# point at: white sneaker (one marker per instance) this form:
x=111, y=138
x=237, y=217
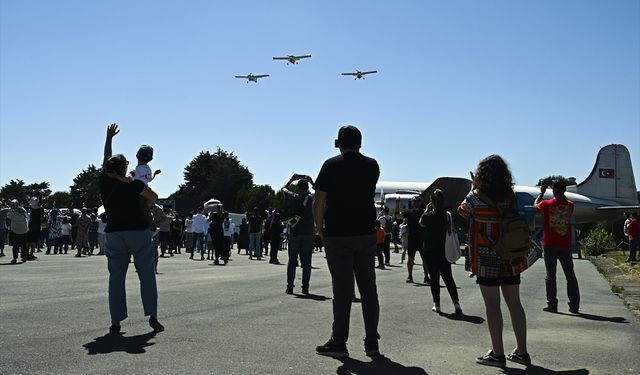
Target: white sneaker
x=456, y=306
x=436, y=308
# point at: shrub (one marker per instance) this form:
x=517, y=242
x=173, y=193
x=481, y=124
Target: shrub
x=597, y=241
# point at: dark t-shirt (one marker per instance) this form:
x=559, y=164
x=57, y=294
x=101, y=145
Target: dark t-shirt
x=35, y=219
x=215, y=226
x=435, y=227
x=415, y=231
x=121, y=202
x=255, y=223
x=350, y=182
x=296, y=206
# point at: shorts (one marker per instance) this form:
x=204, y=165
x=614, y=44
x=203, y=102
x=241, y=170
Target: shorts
x=497, y=281
x=413, y=247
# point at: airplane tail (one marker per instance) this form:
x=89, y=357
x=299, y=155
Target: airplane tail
x=612, y=176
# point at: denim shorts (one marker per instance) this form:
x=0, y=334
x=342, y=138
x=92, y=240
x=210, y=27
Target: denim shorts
x=497, y=281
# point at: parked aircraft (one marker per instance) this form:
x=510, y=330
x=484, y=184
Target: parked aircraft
x=609, y=190
x=291, y=59
x=253, y=78
x=358, y=74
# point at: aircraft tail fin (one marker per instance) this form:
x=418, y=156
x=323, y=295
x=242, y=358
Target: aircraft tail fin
x=612, y=176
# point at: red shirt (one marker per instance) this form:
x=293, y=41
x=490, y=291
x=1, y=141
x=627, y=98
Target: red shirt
x=556, y=230
x=633, y=227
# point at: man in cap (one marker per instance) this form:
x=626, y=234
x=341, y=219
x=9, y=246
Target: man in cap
x=301, y=230
x=344, y=215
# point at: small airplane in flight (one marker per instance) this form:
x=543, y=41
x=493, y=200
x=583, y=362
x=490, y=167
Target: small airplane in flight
x=253, y=78
x=291, y=59
x=358, y=74
x=609, y=190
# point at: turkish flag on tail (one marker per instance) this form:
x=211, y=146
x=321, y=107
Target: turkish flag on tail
x=607, y=173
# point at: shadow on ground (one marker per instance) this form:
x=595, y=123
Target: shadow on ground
x=537, y=370
x=599, y=318
x=379, y=365
x=464, y=318
x=117, y=342
x=311, y=296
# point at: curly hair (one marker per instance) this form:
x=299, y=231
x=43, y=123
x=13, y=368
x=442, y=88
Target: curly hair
x=493, y=178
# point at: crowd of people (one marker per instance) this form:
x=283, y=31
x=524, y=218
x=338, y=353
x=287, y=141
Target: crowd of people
x=339, y=215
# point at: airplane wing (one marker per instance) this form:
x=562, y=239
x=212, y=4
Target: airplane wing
x=245, y=77
x=349, y=74
x=621, y=208
x=261, y=76
x=280, y=58
x=302, y=57
x=369, y=72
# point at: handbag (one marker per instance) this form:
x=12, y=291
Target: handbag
x=451, y=243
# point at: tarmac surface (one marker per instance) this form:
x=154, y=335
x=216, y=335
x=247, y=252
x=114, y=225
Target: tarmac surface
x=236, y=319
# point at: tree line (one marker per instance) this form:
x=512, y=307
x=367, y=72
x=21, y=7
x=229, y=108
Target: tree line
x=217, y=174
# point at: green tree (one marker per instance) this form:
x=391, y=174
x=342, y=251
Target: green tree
x=40, y=190
x=61, y=199
x=216, y=175
x=261, y=196
x=85, y=191
x=17, y=189
x=568, y=181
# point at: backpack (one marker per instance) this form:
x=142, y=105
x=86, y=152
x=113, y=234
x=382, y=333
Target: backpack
x=513, y=239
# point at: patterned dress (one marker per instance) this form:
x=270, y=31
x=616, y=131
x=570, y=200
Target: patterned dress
x=484, y=224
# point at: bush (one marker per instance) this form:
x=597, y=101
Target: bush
x=597, y=241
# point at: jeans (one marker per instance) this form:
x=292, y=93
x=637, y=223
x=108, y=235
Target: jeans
x=120, y=246
x=198, y=239
x=188, y=241
x=387, y=248
x=302, y=246
x=102, y=239
x=165, y=238
x=439, y=266
x=346, y=257
x=551, y=258
x=633, y=248
x=255, y=247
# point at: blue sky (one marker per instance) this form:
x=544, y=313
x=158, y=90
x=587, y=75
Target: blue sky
x=545, y=84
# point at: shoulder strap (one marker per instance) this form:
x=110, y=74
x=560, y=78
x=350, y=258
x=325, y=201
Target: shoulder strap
x=450, y=220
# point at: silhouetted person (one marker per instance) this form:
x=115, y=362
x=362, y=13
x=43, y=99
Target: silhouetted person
x=344, y=215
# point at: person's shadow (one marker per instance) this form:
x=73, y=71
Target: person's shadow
x=312, y=296
x=599, y=318
x=464, y=318
x=117, y=342
x=379, y=365
x=537, y=370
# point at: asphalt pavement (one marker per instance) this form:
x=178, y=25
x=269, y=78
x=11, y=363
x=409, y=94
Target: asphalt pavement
x=236, y=319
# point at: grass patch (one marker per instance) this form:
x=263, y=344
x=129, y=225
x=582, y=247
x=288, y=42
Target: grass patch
x=630, y=270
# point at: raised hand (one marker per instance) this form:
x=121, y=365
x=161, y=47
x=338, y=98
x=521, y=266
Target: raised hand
x=112, y=130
